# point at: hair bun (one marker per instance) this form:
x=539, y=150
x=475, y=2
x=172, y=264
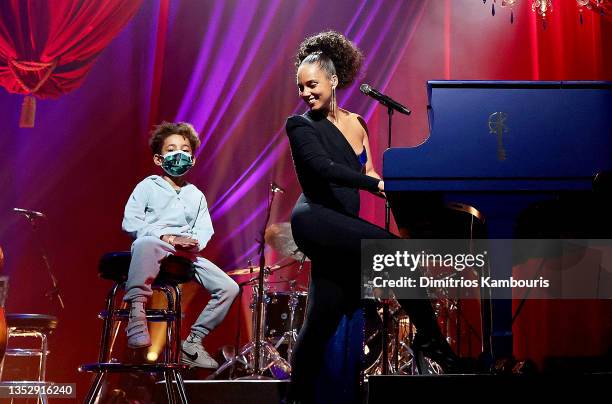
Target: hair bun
x=345, y=55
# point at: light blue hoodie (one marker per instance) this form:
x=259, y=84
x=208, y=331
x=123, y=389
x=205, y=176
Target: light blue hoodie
x=156, y=209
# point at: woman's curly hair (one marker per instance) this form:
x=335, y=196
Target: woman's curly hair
x=345, y=57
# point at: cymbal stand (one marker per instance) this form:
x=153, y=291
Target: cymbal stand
x=260, y=346
x=290, y=336
x=270, y=359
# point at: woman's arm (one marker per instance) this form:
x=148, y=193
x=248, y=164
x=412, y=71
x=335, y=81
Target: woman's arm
x=306, y=148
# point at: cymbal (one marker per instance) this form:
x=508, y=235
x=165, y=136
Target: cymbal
x=279, y=237
x=244, y=271
x=250, y=270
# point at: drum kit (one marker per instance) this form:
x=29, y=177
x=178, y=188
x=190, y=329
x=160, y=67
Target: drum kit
x=282, y=313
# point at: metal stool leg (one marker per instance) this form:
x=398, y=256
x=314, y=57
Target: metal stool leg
x=104, y=355
x=169, y=387
x=169, y=342
x=169, y=334
x=108, y=324
x=180, y=387
x=177, y=323
x=42, y=368
x=42, y=365
x=2, y=367
x=94, y=390
x=115, y=326
x=42, y=397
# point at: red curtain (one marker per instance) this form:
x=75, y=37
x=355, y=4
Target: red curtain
x=47, y=47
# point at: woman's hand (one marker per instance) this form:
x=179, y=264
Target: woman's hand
x=379, y=193
x=381, y=189
x=381, y=184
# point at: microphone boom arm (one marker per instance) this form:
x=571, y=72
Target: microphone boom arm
x=384, y=99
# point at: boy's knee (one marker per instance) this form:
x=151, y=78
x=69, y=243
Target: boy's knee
x=232, y=289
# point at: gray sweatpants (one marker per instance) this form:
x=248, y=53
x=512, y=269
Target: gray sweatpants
x=148, y=251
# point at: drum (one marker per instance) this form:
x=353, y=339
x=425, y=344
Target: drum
x=278, y=311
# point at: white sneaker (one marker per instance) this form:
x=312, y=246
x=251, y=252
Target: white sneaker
x=194, y=354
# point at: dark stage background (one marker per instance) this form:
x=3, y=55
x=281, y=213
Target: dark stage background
x=226, y=66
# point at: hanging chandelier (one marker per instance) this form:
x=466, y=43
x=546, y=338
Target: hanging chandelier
x=544, y=8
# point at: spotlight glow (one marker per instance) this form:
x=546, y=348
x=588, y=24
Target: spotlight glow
x=152, y=356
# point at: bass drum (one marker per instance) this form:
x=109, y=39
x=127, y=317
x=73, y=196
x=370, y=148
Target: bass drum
x=278, y=309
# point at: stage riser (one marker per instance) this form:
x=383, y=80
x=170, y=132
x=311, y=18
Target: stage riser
x=478, y=388
x=233, y=391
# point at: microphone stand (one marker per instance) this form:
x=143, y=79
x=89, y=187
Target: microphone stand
x=385, y=336
x=259, y=307
x=54, y=292
x=387, y=204
x=260, y=291
x=385, y=326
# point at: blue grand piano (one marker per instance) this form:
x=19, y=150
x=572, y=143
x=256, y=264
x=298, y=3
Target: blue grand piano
x=521, y=158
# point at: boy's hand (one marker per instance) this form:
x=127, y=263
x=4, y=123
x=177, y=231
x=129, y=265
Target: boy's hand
x=180, y=242
x=185, y=243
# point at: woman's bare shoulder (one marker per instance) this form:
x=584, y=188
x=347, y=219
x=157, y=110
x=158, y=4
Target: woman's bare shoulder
x=350, y=117
x=357, y=120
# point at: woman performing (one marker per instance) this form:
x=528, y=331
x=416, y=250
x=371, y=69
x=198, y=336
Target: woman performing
x=333, y=162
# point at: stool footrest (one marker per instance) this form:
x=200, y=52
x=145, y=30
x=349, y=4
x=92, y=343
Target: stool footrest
x=152, y=315
x=24, y=352
x=100, y=367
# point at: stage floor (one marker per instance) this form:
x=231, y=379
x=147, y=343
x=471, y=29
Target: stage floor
x=396, y=389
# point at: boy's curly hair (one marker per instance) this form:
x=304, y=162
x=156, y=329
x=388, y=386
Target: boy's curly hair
x=165, y=129
x=346, y=59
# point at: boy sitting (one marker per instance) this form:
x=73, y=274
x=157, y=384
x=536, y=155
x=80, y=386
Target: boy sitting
x=167, y=215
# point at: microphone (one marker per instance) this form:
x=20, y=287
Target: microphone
x=383, y=99
x=275, y=188
x=28, y=213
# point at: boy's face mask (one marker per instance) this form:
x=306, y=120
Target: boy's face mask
x=177, y=163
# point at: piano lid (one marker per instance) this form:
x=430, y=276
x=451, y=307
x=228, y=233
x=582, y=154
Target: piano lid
x=508, y=135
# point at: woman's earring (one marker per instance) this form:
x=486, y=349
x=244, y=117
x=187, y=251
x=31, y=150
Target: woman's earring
x=334, y=103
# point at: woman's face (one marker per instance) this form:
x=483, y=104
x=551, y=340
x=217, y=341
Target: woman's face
x=314, y=87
